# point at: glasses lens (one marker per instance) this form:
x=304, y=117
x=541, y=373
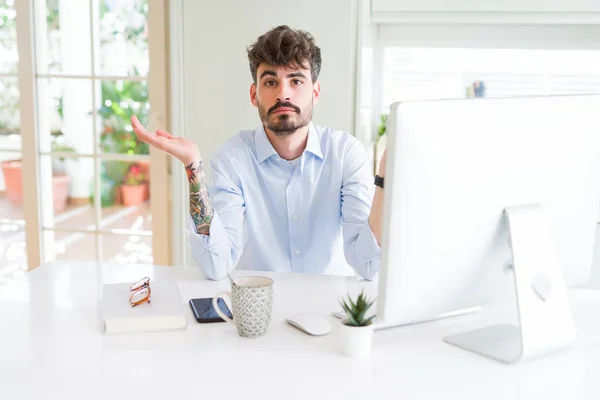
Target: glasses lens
x=140, y=283
x=140, y=295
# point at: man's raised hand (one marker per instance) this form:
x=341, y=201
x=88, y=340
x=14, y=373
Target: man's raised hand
x=183, y=149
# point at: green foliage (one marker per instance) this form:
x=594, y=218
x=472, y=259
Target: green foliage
x=103, y=9
x=115, y=171
x=356, y=312
x=7, y=22
x=9, y=90
x=382, y=128
x=121, y=100
x=62, y=148
x=52, y=15
x=9, y=106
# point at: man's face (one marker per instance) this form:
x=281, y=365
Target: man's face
x=284, y=97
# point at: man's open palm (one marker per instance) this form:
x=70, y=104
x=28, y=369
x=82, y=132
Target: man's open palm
x=183, y=149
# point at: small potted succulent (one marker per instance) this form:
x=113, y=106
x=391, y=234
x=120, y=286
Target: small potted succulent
x=357, y=328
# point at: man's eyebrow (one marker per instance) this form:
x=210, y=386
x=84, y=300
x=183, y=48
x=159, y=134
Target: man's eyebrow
x=268, y=72
x=296, y=75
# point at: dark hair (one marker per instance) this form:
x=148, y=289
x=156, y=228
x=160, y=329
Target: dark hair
x=283, y=46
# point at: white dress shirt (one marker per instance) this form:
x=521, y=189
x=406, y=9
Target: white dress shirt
x=276, y=215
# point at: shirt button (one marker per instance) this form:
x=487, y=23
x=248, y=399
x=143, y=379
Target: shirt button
x=297, y=252
x=294, y=216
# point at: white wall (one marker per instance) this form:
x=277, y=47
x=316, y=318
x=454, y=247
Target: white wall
x=216, y=73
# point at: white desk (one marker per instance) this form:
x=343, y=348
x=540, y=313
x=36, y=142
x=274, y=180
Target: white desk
x=51, y=347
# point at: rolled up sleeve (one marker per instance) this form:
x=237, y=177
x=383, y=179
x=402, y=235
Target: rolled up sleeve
x=217, y=254
x=360, y=246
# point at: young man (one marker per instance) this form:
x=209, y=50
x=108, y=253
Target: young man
x=297, y=186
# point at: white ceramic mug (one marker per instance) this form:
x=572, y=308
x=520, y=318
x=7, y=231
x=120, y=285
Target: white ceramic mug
x=251, y=301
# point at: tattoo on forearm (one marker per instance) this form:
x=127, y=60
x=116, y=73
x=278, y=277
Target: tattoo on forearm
x=201, y=208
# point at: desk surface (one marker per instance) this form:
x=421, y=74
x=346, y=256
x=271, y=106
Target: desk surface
x=52, y=346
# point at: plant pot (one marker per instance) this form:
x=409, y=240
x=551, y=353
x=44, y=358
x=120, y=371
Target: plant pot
x=13, y=179
x=133, y=194
x=144, y=166
x=356, y=340
x=60, y=191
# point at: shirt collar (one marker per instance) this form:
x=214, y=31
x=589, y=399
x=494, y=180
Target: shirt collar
x=264, y=148
x=313, y=144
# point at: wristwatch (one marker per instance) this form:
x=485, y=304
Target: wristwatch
x=379, y=181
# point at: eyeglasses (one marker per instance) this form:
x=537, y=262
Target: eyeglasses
x=141, y=292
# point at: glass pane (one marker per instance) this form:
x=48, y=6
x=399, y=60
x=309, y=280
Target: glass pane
x=9, y=113
x=66, y=202
x=127, y=249
x=125, y=190
x=72, y=245
x=64, y=37
x=66, y=120
x=8, y=37
x=120, y=100
x=13, y=256
x=123, y=38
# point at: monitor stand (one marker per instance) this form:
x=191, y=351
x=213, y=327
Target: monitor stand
x=546, y=322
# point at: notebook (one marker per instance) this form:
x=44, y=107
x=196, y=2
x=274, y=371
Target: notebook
x=164, y=313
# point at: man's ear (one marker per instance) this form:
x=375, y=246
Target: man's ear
x=253, y=94
x=316, y=92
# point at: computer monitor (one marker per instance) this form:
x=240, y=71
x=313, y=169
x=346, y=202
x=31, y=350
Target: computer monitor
x=454, y=168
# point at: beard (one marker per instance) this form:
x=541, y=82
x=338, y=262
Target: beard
x=285, y=124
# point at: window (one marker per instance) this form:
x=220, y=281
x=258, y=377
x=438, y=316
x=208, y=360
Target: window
x=434, y=73
x=91, y=73
x=13, y=255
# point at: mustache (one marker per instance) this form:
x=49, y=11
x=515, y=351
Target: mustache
x=282, y=105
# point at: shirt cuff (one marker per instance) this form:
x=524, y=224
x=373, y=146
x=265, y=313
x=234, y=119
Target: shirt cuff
x=216, y=230
x=367, y=243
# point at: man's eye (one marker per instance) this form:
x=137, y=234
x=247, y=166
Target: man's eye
x=297, y=82
x=269, y=83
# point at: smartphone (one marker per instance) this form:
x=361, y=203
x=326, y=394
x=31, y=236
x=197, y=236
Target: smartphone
x=204, y=311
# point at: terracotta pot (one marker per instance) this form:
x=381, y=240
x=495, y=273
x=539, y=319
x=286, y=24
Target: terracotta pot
x=60, y=189
x=133, y=194
x=13, y=181
x=118, y=193
x=145, y=169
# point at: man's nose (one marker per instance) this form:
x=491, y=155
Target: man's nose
x=284, y=93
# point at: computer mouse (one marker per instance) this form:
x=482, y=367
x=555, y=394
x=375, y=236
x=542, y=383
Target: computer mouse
x=313, y=324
